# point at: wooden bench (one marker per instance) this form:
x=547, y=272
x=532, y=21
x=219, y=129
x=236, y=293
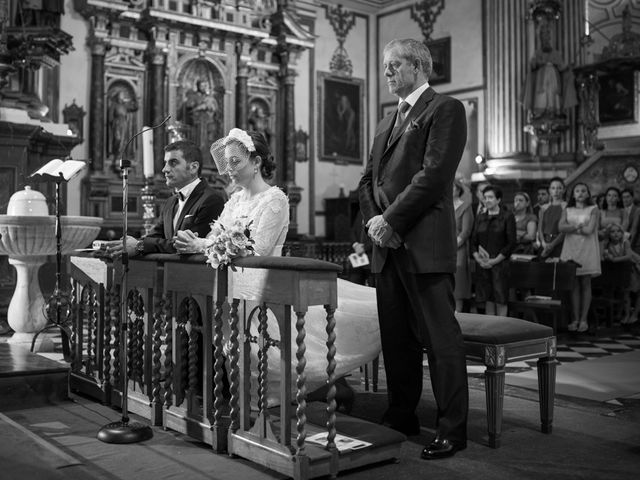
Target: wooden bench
x=496, y=341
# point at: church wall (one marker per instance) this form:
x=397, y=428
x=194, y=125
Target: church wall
x=74, y=85
x=330, y=177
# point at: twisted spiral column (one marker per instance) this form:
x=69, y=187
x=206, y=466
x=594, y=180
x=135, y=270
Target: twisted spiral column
x=331, y=367
x=168, y=354
x=301, y=387
x=234, y=375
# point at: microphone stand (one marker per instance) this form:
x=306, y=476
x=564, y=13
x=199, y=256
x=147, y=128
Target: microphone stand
x=125, y=431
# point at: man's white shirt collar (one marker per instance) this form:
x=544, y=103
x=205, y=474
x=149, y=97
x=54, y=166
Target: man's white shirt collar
x=188, y=189
x=413, y=97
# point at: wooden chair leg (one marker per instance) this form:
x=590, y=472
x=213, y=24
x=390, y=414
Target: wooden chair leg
x=546, y=391
x=494, y=389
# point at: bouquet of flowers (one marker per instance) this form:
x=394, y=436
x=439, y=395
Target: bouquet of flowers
x=228, y=242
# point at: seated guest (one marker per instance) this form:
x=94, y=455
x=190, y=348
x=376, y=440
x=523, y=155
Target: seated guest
x=549, y=235
x=579, y=223
x=464, y=226
x=612, y=212
x=493, y=241
x=194, y=206
x=526, y=224
x=617, y=249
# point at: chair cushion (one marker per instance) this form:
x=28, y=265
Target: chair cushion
x=493, y=329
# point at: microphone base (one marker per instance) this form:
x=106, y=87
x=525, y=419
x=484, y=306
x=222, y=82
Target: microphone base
x=124, y=432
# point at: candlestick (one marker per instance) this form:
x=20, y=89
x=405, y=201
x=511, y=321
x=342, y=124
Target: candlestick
x=147, y=152
x=148, y=204
x=586, y=17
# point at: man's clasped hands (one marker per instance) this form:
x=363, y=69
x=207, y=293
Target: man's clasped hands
x=381, y=233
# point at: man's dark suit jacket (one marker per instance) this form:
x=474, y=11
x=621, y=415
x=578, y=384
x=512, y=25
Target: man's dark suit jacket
x=203, y=206
x=410, y=180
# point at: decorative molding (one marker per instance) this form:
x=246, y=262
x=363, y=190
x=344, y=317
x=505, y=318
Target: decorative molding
x=425, y=13
x=546, y=10
x=625, y=44
x=342, y=22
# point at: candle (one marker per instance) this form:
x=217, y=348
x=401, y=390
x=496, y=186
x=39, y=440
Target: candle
x=147, y=152
x=586, y=17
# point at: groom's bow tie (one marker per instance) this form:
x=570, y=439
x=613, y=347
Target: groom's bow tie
x=179, y=196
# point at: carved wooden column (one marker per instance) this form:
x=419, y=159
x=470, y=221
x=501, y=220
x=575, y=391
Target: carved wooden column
x=96, y=104
x=157, y=103
x=242, y=92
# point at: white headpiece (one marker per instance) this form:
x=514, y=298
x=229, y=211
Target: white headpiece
x=233, y=151
x=242, y=137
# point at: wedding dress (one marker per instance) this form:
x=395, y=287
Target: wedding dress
x=357, y=331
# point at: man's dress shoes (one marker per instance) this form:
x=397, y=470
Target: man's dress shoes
x=441, y=448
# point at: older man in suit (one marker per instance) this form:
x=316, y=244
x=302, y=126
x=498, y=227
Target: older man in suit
x=406, y=199
x=193, y=206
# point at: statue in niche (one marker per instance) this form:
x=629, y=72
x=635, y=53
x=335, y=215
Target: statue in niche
x=259, y=120
x=200, y=112
x=549, y=87
x=121, y=124
x=549, y=91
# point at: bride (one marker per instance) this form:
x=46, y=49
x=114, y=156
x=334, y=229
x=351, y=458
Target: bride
x=246, y=158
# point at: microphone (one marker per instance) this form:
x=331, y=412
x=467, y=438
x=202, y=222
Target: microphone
x=127, y=163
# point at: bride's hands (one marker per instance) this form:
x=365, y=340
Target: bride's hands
x=185, y=241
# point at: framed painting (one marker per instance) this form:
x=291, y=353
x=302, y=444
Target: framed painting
x=441, y=55
x=617, y=101
x=387, y=108
x=341, y=119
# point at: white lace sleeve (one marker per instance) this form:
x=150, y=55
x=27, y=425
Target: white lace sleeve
x=271, y=222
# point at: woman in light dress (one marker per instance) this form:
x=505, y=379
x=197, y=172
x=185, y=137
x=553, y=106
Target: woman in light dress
x=246, y=158
x=579, y=223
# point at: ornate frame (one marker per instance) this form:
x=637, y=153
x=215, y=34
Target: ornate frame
x=334, y=142
x=441, y=54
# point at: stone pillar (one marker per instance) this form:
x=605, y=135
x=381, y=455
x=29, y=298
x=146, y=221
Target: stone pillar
x=507, y=59
x=289, y=149
x=96, y=104
x=242, y=91
x=157, y=104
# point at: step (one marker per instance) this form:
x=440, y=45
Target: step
x=28, y=380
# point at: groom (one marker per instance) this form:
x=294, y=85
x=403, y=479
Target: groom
x=193, y=206
x=407, y=204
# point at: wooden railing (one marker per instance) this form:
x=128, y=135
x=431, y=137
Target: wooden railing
x=177, y=308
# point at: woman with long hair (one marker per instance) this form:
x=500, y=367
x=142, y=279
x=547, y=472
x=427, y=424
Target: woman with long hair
x=579, y=223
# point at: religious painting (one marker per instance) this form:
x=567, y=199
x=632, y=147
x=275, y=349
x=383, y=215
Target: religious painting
x=616, y=98
x=341, y=120
x=387, y=109
x=441, y=55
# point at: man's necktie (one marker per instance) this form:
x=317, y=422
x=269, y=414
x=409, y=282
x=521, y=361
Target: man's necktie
x=400, y=116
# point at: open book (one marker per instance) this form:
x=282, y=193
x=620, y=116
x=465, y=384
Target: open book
x=56, y=167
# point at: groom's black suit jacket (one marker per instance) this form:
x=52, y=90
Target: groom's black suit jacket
x=202, y=207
